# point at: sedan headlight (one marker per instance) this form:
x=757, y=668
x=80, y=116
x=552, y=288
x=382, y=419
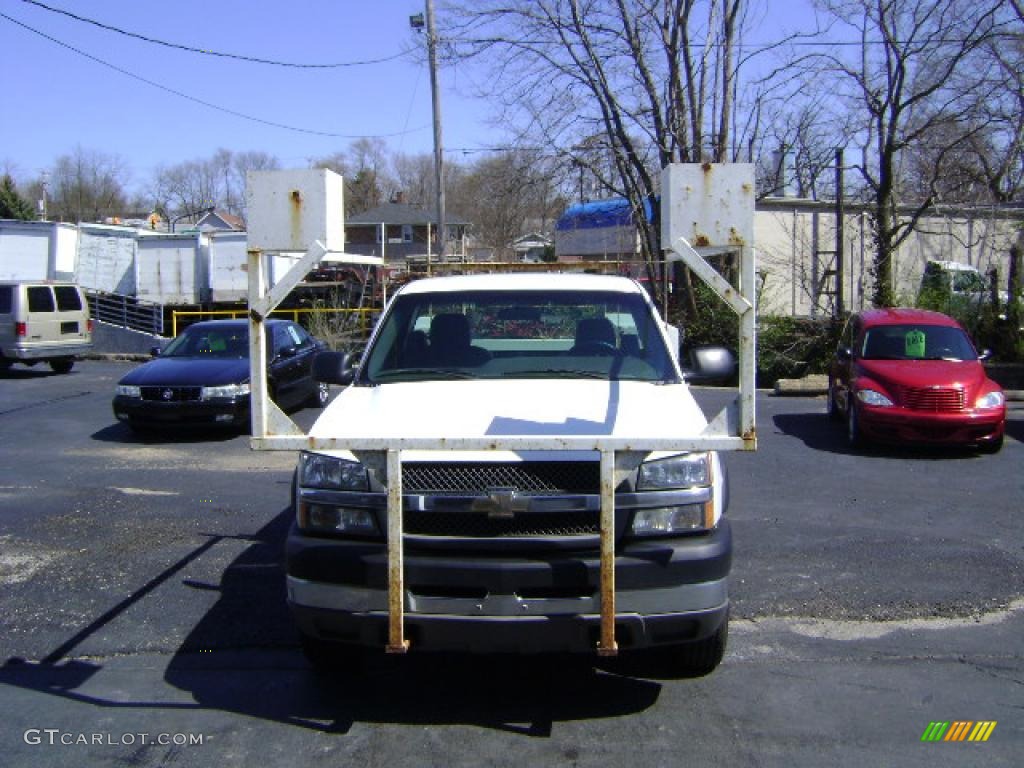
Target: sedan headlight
x=317, y=470
x=228, y=390
x=687, y=470
x=871, y=397
x=991, y=400
x=128, y=390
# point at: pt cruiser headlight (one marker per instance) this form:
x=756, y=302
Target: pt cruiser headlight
x=129, y=390
x=991, y=400
x=317, y=470
x=871, y=397
x=228, y=390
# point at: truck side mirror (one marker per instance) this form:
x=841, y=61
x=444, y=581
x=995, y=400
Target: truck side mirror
x=334, y=368
x=710, y=364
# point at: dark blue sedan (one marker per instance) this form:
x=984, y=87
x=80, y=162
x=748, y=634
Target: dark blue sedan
x=202, y=377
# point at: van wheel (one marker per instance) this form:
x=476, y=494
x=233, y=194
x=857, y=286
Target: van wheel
x=5, y=364
x=62, y=365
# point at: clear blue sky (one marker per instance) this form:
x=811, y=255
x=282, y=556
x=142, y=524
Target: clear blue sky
x=54, y=98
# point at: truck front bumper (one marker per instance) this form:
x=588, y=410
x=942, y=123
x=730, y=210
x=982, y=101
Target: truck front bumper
x=669, y=591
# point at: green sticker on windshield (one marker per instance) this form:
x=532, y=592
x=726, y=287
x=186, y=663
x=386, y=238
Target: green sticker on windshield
x=914, y=344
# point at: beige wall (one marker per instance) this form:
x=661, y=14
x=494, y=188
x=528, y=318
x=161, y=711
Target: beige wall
x=785, y=243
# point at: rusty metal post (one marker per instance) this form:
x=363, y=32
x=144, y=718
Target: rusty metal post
x=607, y=645
x=396, y=587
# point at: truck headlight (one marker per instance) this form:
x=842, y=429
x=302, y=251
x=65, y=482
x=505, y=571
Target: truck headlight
x=664, y=521
x=317, y=470
x=128, y=390
x=687, y=470
x=228, y=390
x=327, y=517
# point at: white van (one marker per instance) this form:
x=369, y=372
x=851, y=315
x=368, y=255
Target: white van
x=43, y=322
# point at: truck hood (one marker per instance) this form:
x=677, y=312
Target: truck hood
x=454, y=409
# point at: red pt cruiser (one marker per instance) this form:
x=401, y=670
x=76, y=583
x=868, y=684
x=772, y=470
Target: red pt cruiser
x=913, y=376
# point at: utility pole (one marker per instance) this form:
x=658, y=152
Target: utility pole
x=417, y=23
x=840, y=216
x=435, y=98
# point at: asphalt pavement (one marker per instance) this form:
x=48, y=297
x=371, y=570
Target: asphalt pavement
x=142, y=616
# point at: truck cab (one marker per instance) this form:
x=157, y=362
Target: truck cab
x=502, y=548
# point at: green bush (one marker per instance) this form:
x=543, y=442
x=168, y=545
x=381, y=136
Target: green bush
x=787, y=347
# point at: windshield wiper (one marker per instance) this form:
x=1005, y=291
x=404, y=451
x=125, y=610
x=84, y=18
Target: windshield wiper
x=568, y=372
x=441, y=373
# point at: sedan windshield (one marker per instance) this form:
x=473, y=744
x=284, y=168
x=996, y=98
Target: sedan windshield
x=200, y=341
x=519, y=335
x=917, y=342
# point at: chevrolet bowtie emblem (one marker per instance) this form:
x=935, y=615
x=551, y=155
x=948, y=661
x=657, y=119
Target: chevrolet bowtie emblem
x=501, y=503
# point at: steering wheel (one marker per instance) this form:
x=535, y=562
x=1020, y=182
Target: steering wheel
x=596, y=348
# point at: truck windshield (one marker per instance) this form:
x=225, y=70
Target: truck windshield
x=519, y=335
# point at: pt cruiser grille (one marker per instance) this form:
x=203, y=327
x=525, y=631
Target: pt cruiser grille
x=538, y=478
x=936, y=400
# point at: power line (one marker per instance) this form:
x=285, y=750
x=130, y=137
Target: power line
x=206, y=51
x=207, y=104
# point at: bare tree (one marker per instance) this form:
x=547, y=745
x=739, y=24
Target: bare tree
x=611, y=84
x=188, y=188
x=87, y=185
x=502, y=194
x=901, y=89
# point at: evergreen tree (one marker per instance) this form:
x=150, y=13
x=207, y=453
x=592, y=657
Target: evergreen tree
x=13, y=205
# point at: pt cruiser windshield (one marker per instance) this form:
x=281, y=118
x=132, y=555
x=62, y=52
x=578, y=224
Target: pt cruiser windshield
x=518, y=335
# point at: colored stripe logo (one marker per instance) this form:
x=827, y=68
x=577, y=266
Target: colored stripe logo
x=959, y=730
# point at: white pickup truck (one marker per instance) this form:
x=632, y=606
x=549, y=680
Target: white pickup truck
x=502, y=547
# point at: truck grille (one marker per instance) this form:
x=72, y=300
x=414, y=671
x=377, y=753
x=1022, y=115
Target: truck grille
x=479, y=526
x=170, y=394
x=947, y=400
x=538, y=478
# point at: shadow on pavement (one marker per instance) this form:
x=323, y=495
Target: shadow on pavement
x=122, y=433
x=820, y=433
x=242, y=657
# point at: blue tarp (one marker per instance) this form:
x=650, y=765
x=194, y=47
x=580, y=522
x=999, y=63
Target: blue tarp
x=599, y=213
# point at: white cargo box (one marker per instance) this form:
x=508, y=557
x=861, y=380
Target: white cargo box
x=289, y=210
x=171, y=269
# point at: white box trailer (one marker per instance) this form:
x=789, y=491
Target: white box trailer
x=37, y=250
x=229, y=280
x=171, y=269
x=106, y=258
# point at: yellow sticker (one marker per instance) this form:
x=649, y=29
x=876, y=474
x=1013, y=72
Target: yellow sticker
x=914, y=344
